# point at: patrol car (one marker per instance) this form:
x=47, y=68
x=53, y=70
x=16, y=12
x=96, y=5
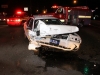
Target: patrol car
x=47, y=31
x=17, y=19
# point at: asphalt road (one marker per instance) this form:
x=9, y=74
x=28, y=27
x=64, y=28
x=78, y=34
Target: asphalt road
x=16, y=59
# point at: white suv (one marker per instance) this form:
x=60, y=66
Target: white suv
x=48, y=31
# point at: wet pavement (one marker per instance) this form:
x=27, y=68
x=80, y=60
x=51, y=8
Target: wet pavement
x=70, y=62
x=16, y=59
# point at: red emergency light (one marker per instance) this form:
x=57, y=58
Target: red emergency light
x=19, y=12
x=54, y=6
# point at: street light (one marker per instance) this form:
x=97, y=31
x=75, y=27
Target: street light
x=44, y=11
x=75, y=1
x=37, y=10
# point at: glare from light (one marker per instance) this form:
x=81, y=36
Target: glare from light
x=75, y=1
x=7, y=19
x=44, y=11
x=18, y=12
x=37, y=10
x=94, y=65
x=80, y=16
x=60, y=15
x=69, y=10
x=4, y=19
x=62, y=20
x=19, y=20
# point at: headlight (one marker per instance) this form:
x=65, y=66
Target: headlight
x=62, y=20
x=74, y=38
x=4, y=19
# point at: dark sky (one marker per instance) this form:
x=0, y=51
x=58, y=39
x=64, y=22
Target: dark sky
x=34, y=4
x=91, y=3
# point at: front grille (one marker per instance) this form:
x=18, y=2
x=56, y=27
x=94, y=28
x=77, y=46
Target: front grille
x=54, y=46
x=60, y=36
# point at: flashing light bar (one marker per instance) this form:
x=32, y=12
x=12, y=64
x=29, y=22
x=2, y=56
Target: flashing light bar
x=54, y=6
x=80, y=16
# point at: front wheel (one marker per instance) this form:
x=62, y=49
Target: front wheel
x=38, y=51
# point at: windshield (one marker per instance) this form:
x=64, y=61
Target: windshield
x=52, y=21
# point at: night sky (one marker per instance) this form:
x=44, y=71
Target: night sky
x=41, y=4
x=91, y=3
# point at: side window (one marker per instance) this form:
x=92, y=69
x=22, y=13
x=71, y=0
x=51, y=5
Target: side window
x=60, y=11
x=30, y=23
x=35, y=23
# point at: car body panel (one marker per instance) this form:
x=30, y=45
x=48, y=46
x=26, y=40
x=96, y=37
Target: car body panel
x=57, y=29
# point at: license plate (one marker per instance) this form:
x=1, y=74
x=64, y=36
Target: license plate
x=54, y=41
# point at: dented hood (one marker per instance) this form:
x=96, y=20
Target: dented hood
x=57, y=29
x=62, y=29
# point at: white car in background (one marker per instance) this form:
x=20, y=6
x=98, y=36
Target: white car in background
x=50, y=32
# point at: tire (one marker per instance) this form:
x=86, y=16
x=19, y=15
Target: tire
x=38, y=51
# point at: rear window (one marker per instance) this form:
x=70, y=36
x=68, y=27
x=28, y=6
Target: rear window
x=52, y=21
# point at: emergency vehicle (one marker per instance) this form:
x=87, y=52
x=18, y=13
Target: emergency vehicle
x=17, y=19
x=80, y=15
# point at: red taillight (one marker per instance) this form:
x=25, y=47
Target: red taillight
x=18, y=20
x=7, y=19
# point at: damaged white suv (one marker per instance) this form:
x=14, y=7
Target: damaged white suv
x=50, y=32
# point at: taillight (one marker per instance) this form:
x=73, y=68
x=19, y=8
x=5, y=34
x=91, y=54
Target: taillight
x=7, y=19
x=4, y=19
x=18, y=20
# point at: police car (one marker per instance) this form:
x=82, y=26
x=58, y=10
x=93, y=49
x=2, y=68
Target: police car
x=47, y=31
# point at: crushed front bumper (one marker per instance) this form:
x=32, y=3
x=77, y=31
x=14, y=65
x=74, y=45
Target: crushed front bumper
x=63, y=45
